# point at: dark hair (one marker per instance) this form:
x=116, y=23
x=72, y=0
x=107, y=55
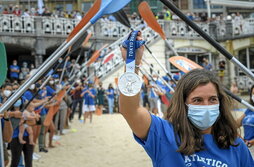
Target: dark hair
x=188, y=137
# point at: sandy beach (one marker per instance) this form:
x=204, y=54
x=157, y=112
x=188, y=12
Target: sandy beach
x=107, y=142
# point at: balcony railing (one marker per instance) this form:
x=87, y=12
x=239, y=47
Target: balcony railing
x=176, y=29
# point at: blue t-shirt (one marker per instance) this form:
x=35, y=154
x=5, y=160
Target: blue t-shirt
x=89, y=100
x=14, y=74
x=50, y=91
x=161, y=146
x=248, y=125
x=41, y=95
x=28, y=95
x=16, y=133
x=111, y=93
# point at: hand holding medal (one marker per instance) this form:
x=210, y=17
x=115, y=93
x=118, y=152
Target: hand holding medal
x=130, y=83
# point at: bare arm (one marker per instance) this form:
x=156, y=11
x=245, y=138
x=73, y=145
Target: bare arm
x=7, y=132
x=137, y=117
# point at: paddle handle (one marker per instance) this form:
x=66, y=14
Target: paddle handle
x=248, y=105
x=1, y=144
x=171, y=48
x=215, y=44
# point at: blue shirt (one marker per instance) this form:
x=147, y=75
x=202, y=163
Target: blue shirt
x=16, y=133
x=42, y=94
x=111, y=93
x=89, y=100
x=161, y=146
x=14, y=74
x=248, y=125
x=28, y=95
x=50, y=91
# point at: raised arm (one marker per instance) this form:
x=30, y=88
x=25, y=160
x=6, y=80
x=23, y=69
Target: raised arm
x=137, y=117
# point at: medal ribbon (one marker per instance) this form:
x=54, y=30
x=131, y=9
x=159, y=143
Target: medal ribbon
x=132, y=44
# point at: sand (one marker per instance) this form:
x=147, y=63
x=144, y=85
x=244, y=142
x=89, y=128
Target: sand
x=107, y=142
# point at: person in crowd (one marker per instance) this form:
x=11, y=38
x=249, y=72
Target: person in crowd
x=221, y=73
x=207, y=65
x=198, y=129
x=153, y=96
x=24, y=71
x=247, y=121
x=5, y=11
x=17, y=11
x=100, y=96
x=26, y=115
x=16, y=147
x=76, y=100
x=6, y=135
x=14, y=71
x=110, y=97
x=89, y=95
x=61, y=116
x=51, y=92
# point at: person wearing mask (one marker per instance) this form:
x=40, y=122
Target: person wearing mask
x=89, y=94
x=76, y=100
x=6, y=135
x=100, y=97
x=110, y=97
x=247, y=121
x=14, y=71
x=198, y=129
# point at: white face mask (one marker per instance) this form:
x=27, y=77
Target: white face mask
x=7, y=93
x=51, y=82
x=32, y=87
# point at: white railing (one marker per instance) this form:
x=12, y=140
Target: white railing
x=108, y=29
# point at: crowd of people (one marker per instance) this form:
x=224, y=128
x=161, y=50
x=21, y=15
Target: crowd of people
x=49, y=109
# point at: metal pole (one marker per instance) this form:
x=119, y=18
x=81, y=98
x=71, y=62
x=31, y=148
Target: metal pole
x=41, y=70
x=1, y=145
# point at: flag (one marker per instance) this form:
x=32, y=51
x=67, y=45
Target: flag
x=3, y=64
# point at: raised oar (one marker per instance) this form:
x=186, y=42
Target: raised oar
x=215, y=44
x=106, y=7
x=185, y=64
x=146, y=13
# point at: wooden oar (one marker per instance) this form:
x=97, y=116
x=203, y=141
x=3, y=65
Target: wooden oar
x=185, y=64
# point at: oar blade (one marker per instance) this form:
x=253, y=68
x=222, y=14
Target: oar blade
x=109, y=7
x=96, y=55
x=122, y=18
x=184, y=64
x=3, y=64
x=87, y=39
x=148, y=16
x=92, y=11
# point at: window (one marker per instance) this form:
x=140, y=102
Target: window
x=251, y=57
x=243, y=56
x=199, y=4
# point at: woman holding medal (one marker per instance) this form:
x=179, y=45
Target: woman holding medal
x=198, y=129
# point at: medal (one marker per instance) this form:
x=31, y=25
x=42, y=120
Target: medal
x=130, y=83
